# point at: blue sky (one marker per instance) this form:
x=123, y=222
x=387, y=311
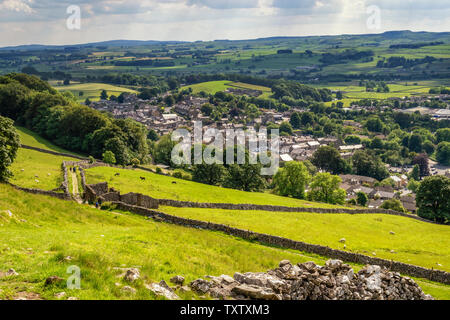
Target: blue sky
x=44, y=21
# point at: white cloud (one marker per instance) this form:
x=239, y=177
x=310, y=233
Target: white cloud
x=16, y=6
x=43, y=21
x=225, y=4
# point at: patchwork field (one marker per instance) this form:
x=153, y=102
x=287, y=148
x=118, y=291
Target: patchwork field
x=414, y=242
x=161, y=187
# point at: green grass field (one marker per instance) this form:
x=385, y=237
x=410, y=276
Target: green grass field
x=211, y=87
x=93, y=90
x=415, y=242
x=41, y=232
x=45, y=168
x=159, y=186
x=355, y=92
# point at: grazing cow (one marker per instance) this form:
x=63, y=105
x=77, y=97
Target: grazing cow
x=143, y=178
x=174, y=182
x=117, y=174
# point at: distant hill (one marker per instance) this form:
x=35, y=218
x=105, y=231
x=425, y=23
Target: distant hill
x=111, y=43
x=388, y=35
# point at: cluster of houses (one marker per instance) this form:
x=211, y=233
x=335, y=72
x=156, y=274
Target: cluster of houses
x=186, y=112
x=353, y=184
x=436, y=114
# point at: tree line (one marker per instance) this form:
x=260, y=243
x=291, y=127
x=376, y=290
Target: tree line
x=34, y=104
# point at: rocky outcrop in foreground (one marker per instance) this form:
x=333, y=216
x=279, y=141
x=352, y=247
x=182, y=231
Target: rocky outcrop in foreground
x=308, y=281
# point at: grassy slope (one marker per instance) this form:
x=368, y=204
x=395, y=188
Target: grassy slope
x=46, y=167
x=159, y=186
x=43, y=231
x=30, y=138
x=414, y=242
x=37, y=163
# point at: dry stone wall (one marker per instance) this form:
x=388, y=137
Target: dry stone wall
x=308, y=281
x=105, y=194
x=65, y=183
x=62, y=196
x=411, y=270
x=232, y=206
x=52, y=152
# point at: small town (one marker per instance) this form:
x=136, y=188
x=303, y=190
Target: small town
x=292, y=148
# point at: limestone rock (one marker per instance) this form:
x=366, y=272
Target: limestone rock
x=132, y=275
x=308, y=281
x=178, y=280
x=163, y=290
x=11, y=273
x=255, y=292
x=200, y=286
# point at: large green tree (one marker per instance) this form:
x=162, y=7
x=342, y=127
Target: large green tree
x=292, y=180
x=108, y=157
x=245, y=177
x=14, y=99
x=433, y=199
x=366, y=164
x=374, y=124
x=163, y=150
x=393, y=204
x=443, y=135
x=295, y=120
x=212, y=174
x=422, y=161
x=324, y=187
x=443, y=153
x=362, y=199
x=329, y=159
x=415, y=143
x=9, y=144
